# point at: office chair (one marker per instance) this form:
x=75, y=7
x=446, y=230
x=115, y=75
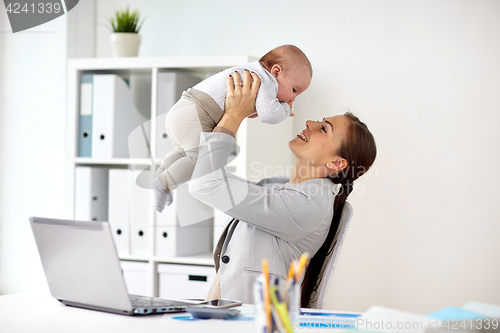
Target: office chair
x=345, y=218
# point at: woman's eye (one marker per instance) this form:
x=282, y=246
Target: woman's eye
x=323, y=129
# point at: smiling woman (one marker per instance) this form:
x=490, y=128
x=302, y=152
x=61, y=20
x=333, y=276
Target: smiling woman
x=276, y=218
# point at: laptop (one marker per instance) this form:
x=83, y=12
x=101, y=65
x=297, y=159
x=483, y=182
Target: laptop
x=82, y=268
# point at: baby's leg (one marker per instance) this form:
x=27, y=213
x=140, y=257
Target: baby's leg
x=162, y=192
x=183, y=127
x=194, y=113
x=181, y=170
x=171, y=157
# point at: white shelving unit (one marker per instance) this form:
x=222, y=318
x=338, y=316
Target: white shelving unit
x=263, y=147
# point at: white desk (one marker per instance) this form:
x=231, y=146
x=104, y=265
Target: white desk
x=23, y=313
x=34, y=313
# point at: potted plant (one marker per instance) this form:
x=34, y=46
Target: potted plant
x=125, y=38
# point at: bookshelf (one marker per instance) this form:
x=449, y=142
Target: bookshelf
x=257, y=159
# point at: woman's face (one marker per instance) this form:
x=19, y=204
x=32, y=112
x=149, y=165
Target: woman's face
x=319, y=143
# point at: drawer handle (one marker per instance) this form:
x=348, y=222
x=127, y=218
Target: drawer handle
x=197, y=278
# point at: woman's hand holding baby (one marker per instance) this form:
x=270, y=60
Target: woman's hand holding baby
x=240, y=99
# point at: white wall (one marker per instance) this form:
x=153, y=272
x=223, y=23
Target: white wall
x=32, y=143
x=424, y=75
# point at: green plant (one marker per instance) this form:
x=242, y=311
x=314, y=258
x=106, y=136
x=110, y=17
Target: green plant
x=126, y=21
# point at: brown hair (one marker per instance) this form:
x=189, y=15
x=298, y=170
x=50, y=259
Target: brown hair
x=287, y=56
x=360, y=150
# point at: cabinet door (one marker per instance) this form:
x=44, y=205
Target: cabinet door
x=185, y=281
x=136, y=277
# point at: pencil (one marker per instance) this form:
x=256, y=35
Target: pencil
x=302, y=264
x=289, y=280
x=267, y=296
x=290, y=271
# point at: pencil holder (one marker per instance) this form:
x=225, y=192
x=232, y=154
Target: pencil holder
x=293, y=302
x=283, y=306
x=259, y=313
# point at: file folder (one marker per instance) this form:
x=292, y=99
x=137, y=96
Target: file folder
x=174, y=238
x=166, y=231
x=114, y=117
x=488, y=310
x=119, y=208
x=451, y=312
x=170, y=88
x=141, y=208
x=91, y=194
x=85, y=116
x=138, y=141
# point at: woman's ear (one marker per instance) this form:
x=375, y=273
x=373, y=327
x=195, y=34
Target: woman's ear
x=276, y=70
x=337, y=164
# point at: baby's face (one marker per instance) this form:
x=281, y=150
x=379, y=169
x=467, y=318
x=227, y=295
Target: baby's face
x=292, y=83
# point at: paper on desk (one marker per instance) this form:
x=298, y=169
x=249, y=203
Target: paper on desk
x=389, y=320
x=488, y=310
x=452, y=312
x=316, y=318
x=246, y=315
x=190, y=318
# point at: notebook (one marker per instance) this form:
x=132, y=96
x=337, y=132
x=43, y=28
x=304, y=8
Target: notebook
x=82, y=268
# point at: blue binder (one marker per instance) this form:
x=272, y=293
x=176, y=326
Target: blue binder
x=85, y=116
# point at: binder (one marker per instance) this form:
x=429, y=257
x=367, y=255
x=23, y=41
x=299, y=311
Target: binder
x=174, y=237
x=170, y=88
x=85, y=116
x=166, y=231
x=138, y=141
x=91, y=194
x=114, y=117
x=141, y=208
x=119, y=208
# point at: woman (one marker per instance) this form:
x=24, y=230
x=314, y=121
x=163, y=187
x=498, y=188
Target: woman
x=276, y=219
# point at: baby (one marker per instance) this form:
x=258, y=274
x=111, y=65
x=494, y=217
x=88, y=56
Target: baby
x=285, y=72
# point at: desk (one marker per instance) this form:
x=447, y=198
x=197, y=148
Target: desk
x=34, y=313
x=23, y=313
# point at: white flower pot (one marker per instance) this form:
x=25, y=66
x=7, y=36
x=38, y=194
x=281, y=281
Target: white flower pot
x=125, y=44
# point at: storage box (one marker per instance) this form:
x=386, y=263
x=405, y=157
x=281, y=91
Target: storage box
x=185, y=281
x=173, y=238
x=136, y=277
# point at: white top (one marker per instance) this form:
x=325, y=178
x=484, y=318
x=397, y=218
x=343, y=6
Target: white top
x=269, y=108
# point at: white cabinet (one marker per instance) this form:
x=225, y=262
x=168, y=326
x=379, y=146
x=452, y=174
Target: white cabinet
x=185, y=281
x=136, y=276
x=147, y=236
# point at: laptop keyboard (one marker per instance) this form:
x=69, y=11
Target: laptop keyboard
x=147, y=302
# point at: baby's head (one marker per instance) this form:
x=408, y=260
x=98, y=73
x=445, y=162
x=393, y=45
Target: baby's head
x=291, y=68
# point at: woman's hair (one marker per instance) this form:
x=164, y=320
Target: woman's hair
x=287, y=56
x=359, y=150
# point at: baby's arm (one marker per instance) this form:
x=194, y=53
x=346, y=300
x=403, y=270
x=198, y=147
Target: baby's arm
x=269, y=109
